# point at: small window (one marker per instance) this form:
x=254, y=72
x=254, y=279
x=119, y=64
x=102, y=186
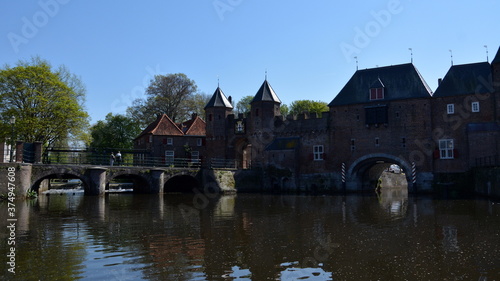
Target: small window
x=403, y=142
x=169, y=157
x=318, y=152
x=450, y=108
x=256, y=112
x=209, y=117
x=353, y=145
x=475, y=106
x=446, y=149
x=150, y=138
x=376, y=93
x=170, y=141
x=199, y=142
x=377, y=142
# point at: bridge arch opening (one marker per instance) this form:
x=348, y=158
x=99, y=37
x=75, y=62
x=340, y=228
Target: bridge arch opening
x=182, y=184
x=128, y=183
x=63, y=182
x=369, y=171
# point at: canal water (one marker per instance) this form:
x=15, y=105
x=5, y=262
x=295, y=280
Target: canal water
x=124, y=236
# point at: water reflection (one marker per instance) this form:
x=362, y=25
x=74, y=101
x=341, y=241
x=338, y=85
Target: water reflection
x=256, y=237
x=394, y=200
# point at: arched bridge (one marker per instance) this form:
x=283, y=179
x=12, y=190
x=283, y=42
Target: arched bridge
x=96, y=179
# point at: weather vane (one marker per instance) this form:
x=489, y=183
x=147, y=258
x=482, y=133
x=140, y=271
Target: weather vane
x=451, y=55
x=487, y=59
x=356, y=58
x=411, y=54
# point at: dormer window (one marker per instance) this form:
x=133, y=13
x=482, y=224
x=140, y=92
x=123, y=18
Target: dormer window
x=376, y=93
x=377, y=90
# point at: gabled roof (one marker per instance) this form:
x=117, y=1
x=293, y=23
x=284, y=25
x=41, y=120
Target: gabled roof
x=473, y=78
x=194, y=127
x=497, y=57
x=399, y=81
x=164, y=126
x=219, y=100
x=266, y=93
x=377, y=84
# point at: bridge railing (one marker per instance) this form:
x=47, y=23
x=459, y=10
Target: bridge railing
x=72, y=156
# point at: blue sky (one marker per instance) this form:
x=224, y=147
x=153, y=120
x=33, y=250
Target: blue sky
x=307, y=47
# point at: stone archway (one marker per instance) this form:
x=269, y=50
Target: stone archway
x=139, y=183
x=41, y=182
x=182, y=184
x=366, y=168
x=243, y=153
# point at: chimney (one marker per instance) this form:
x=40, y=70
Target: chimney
x=230, y=99
x=194, y=115
x=439, y=81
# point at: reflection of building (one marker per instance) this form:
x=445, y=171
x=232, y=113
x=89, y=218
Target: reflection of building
x=164, y=140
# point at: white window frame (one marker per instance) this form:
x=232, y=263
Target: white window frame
x=318, y=152
x=169, y=157
x=446, y=147
x=170, y=141
x=450, y=108
x=475, y=106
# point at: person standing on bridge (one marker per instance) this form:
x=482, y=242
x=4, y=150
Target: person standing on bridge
x=118, y=158
x=111, y=159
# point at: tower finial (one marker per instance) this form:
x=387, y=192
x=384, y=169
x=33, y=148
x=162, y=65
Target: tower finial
x=451, y=55
x=356, y=58
x=218, y=82
x=411, y=54
x=266, y=75
x=487, y=59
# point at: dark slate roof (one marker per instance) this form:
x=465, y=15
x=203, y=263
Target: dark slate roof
x=284, y=144
x=266, y=93
x=465, y=79
x=497, y=57
x=399, y=81
x=219, y=100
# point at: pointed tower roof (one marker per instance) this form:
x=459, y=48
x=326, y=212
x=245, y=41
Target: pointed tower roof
x=497, y=57
x=266, y=93
x=219, y=100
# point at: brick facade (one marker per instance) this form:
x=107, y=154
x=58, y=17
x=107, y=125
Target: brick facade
x=382, y=116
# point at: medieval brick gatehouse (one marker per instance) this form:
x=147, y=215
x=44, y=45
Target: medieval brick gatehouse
x=382, y=116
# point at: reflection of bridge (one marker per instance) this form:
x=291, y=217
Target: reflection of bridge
x=96, y=179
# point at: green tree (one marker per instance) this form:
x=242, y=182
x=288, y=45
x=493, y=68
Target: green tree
x=48, y=104
x=310, y=106
x=284, y=110
x=171, y=94
x=116, y=131
x=243, y=105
